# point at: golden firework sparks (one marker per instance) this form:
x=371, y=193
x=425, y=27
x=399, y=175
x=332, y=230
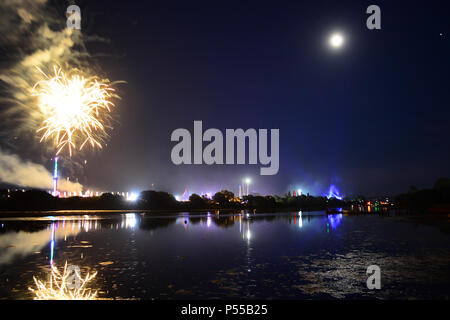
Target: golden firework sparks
x=56, y=288
x=75, y=109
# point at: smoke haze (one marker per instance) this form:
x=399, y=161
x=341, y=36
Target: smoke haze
x=14, y=170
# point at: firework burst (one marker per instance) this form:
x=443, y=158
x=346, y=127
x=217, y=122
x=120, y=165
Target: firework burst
x=56, y=288
x=75, y=109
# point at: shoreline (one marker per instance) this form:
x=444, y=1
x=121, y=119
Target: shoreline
x=76, y=212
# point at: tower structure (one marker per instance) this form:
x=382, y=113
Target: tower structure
x=55, y=178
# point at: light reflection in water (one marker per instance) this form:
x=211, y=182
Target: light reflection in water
x=246, y=234
x=298, y=216
x=184, y=220
x=23, y=243
x=52, y=243
x=300, y=219
x=249, y=234
x=251, y=256
x=129, y=220
x=334, y=220
x=62, y=285
x=208, y=220
x=61, y=228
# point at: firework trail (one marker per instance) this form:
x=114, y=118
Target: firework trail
x=33, y=39
x=75, y=109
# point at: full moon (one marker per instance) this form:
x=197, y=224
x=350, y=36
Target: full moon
x=336, y=40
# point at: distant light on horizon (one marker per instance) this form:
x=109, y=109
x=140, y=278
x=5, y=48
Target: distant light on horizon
x=333, y=192
x=208, y=195
x=132, y=196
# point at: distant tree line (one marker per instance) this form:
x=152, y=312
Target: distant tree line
x=435, y=199
x=37, y=200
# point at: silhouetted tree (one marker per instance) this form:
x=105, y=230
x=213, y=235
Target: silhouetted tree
x=197, y=202
x=442, y=184
x=223, y=197
x=157, y=200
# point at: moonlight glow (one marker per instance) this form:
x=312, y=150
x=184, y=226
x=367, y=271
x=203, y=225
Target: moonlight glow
x=336, y=40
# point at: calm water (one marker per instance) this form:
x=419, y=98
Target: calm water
x=289, y=256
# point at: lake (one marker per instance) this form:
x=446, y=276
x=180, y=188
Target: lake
x=295, y=255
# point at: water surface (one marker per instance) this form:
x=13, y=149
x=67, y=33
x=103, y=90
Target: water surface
x=197, y=256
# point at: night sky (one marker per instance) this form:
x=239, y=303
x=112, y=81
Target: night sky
x=372, y=117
